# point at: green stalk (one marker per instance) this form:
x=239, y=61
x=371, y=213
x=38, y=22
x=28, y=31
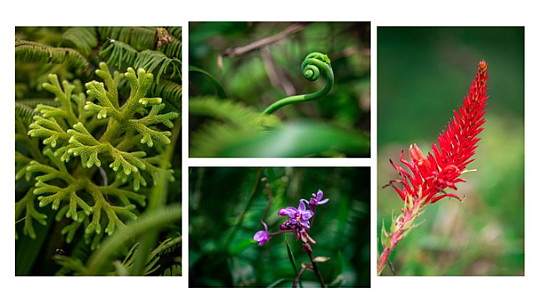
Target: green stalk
x=312, y=65
x=157, y=199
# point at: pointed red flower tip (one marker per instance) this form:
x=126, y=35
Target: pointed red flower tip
x=453, y=151
x=483, y=66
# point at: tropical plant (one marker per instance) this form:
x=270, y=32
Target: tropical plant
x=237, y=121
x=430, y=175
x=99, y=156
x=230, y=205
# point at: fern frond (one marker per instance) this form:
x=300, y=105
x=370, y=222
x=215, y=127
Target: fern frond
x=70, y=265
x=118, y=54
x=175, y=32
x=166, y=246
x=228, y=111
x=239, y=123
x=173, y=49
x=213, y=138
x=124, y=267
x=151, y=221
x=84, y=38
x=159, y=63
x=36, y=101
x=24, y=112
x=174, y=270
x=37, y=52
x=72, y=262
x=170, y=92
x=140, y=38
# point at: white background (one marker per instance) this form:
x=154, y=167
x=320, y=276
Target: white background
x=179, y=13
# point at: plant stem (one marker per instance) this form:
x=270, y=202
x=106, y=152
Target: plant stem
x=156, y=200
x=297, y=279
x=399, y=232
x=319, y=62
x=246, y=208
x=315, y=268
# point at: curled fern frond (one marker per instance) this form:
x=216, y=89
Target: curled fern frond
x=37, y=52
x=83, y=38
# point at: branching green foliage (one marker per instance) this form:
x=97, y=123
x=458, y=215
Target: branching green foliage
x=69, y=131
x=89, y=160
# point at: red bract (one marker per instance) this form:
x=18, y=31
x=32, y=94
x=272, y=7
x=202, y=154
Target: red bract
x=430, y=175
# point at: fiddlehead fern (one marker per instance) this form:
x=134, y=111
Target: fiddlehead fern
x=313, y=64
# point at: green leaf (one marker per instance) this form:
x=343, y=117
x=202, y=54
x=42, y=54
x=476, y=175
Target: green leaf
x=220, y=92
x=298, y=139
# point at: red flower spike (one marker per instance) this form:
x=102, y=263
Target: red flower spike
x=430, y=175
x=454, y=150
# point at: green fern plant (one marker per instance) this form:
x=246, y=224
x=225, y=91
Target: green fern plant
x=89, y=161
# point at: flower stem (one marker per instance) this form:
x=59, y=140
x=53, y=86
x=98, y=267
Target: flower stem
x=403, y=224
x=297, y=279
x=315, y=268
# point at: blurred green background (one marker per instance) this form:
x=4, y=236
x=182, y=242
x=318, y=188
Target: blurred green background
x=423, y=75
x=228, y=204
x=266, y=74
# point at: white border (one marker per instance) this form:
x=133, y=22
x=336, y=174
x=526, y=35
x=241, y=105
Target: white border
x=175, y=13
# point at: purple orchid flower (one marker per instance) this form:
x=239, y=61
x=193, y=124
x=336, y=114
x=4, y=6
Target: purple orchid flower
x=262, y=236
x=299, y=216
x=316, y=199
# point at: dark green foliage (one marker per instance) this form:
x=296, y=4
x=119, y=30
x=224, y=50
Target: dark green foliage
x=95, y=151
x=228, y=204
x=36, y=52
x=253, y=80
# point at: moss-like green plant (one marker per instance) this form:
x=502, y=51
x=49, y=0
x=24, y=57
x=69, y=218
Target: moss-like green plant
x=130, y=146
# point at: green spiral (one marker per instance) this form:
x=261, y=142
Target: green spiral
x=313, y=64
